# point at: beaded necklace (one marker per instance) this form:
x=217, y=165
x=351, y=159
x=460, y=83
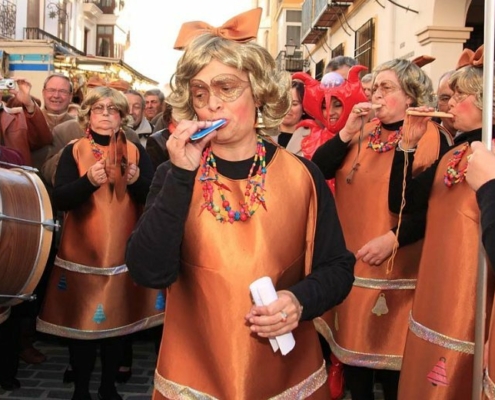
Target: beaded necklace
x=453, y=175
x=377, y=145
x=97, y=152
x=253, y=195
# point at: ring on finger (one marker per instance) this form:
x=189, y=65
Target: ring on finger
x=284, y=316
x=357, y=110
x=175, y=137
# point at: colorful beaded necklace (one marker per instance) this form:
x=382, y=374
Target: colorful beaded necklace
x=97, y=152
x=453, y=175
x=253, y=195
x=377, y=145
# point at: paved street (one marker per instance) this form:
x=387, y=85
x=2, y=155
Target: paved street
x=44, y=381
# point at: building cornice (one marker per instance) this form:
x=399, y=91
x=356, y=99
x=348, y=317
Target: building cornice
x=443, y=34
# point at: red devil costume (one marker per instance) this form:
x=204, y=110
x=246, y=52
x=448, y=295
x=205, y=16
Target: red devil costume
x=349, y=93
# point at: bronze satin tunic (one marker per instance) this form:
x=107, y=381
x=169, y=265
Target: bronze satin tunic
x=90, y=293
x=369, y=328
x=440, y=341
x=489, y=378
x=207, y=349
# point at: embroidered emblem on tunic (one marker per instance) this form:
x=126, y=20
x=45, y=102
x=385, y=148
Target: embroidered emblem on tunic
x=99, y=316
x=380, y=307
x=160, y=301
x=62, y=283
x=438, y=375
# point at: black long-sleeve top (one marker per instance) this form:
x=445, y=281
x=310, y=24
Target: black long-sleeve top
x=153, y=250
x=418, y=188
x=72, y=190
x=329, y=157
x=486, y=202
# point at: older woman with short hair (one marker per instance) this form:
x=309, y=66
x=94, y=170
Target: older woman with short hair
x=439, y=351
x=367, y=331
x=101, y=183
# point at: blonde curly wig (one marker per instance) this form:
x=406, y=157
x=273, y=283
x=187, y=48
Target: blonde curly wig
x=270, y=88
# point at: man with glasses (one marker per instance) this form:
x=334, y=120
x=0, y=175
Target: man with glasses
x=57, y=95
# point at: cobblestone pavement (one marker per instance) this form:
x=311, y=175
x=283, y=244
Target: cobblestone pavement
x=44, y=381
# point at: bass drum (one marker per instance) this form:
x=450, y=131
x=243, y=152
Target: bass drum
x=26, y=231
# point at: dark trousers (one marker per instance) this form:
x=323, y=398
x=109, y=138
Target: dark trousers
x=361, y=380
x=9, y=347
x=83, y=356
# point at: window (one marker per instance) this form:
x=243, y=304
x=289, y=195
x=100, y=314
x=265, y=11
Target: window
x=293, y=29
x=338, y=51
x=104, y=41
x=364, y=44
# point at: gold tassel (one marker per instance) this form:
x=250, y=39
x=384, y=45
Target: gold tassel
x=260, y=124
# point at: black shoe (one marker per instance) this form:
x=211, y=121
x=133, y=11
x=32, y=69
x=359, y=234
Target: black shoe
x=68, y=376
x=10, y=384
x=81, y=396
x=113, y=395
x=123, y=376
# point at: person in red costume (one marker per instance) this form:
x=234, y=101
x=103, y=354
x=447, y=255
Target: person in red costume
x=317, y=94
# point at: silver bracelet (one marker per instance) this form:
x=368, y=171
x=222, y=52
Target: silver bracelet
x=399, y=148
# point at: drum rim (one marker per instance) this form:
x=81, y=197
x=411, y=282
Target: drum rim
x=45, y=237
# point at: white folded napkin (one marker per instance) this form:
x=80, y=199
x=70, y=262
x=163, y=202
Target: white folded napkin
x=264, y=293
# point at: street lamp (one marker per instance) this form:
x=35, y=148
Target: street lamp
x=290, y=48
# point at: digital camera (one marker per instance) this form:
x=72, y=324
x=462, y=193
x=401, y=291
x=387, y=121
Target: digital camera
x=6, y=84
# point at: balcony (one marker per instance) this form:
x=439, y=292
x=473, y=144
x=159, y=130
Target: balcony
x=91, y=9
x=318, y=16
x=61, y=46
x=291, y=64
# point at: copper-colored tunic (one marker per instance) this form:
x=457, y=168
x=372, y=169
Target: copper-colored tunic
x=207, y=350
x=90, y=293
x=369, y=328
x=489, y=377
x=438, y=358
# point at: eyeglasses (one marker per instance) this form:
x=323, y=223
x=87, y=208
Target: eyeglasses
x=61, y=92
x=385, y=88
x=100, y=108
x=226, y=87
x=459, y=97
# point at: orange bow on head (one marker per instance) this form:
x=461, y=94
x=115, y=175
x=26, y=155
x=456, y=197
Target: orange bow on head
x=423, y=60
x=241, y=28
x=469, y=57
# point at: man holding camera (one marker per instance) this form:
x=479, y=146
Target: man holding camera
x=22, y=128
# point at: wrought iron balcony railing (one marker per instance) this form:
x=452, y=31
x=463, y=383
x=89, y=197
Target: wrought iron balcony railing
x=291, y=64
x=40, y=34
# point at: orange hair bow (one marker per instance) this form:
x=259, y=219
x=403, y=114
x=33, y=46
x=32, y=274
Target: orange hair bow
x=241, y=28
x=470, y=57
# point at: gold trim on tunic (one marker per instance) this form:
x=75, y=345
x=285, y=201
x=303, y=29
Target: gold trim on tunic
x=375, y=361
x=438, y=338
x=385, y=284
x=488, y=386
x=302, y=390
x=85, y=269
x=72, y=333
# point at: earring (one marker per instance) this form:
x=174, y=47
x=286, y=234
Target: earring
x=260, y=124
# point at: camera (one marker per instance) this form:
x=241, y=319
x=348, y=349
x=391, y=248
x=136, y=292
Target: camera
x=6, y=84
